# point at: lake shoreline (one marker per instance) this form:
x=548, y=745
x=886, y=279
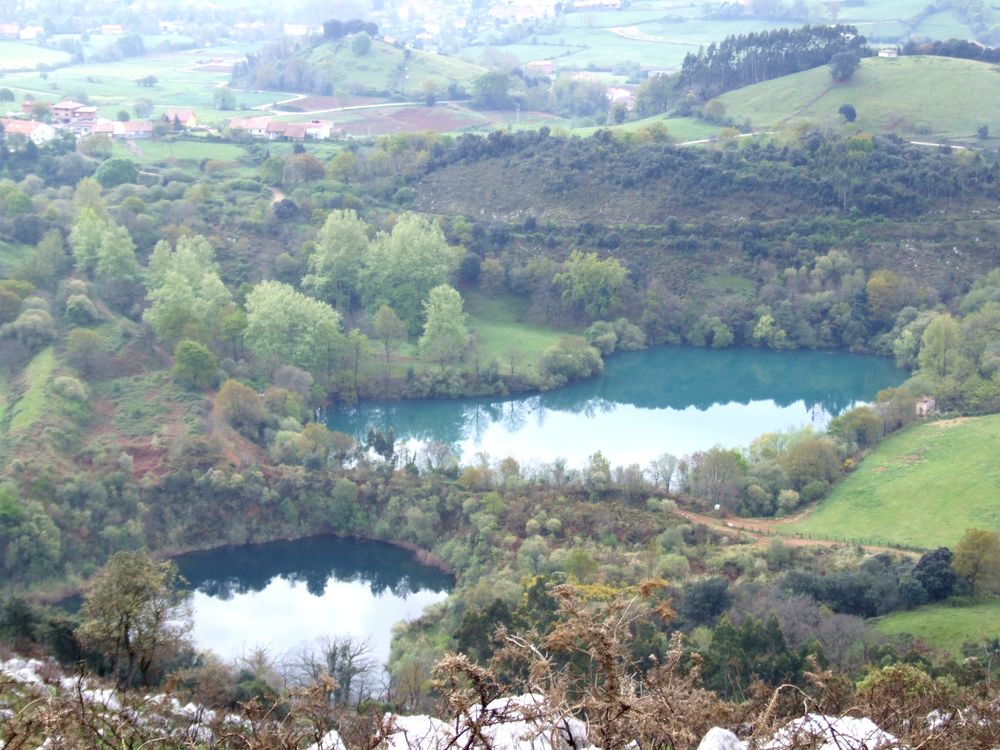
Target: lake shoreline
x=64, y=591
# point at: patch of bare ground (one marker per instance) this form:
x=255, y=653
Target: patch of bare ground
x=762, y=533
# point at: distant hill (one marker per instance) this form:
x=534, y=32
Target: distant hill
x=920, y=97
x=332, y=66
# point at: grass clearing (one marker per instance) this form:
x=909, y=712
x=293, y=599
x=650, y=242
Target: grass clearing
x=501, y=327
x=155, y=152
x=944, y=626
x=922, y=487
x=680, y=129
x=924, y=97
x=388, y=68
x=28, y=409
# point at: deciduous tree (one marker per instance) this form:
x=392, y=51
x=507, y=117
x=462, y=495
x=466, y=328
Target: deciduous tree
x=401, y=268
x=292, y=328
x=977, y=559
x=388, y=329
x=338, y=258
x=445, y=335
x=591, y=283
x=136, y=614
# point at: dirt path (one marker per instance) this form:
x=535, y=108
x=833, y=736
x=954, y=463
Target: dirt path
x=808, y=104
x=763, y=531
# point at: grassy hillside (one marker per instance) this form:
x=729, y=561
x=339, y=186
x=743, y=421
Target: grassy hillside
x=946, y=627
x=925, y=98
x=923, y=487
x=389, y=69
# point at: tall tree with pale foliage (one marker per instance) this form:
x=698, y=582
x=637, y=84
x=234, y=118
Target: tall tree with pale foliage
x=293, y=328
x=187, y=296
x=337, y=258
x=402, y=267
x=445, y=336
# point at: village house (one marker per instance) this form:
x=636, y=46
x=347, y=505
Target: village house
x=299, y=131
x=254, y=126
x=273, y=130
x=186, y=117
x=80, y=118
x=126, y=131
x=10, y=31
x=112, y=29
x=37, y=132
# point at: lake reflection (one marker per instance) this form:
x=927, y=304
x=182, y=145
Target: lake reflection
x=665, y=399
x=285, y=594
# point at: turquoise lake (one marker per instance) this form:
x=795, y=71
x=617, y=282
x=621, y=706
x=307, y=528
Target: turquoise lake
x=662, y=400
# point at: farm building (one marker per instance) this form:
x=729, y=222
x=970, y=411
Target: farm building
x=80, y=118
x=37, y=132
x=255, y=126
x=127, y=131
x=186, y=117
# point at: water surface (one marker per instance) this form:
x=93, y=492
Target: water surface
x=663, y=400
x=284, y=595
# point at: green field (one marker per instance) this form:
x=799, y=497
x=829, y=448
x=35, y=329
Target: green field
x=659, y=34
x=945, y=627
x=22, y=56
x=923, y=487
x=680, y=129
x=922, y=97
x=501, y=328
x=158, y=152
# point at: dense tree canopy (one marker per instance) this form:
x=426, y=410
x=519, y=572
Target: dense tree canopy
x=404, y=265
x=290, y=327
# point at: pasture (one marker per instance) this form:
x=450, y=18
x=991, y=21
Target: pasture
x=928, y=98
x=946, y=627
x=25, y=56
x=923, y=487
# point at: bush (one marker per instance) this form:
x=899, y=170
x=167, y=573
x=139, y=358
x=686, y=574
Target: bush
x=80, y=310
x=815, y=490
x=571, y=359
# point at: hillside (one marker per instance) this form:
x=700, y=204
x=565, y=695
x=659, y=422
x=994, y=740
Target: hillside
x=686, y=213
x=921, y=97
x=332, y=66
x=944, y=626
x=923, y=487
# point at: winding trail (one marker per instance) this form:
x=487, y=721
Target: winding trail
x=763, y=531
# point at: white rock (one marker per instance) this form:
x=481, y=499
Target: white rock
x=721, y=739
x=832, y=733
x=418, y=732
x=329, y=741
x=26, y=671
